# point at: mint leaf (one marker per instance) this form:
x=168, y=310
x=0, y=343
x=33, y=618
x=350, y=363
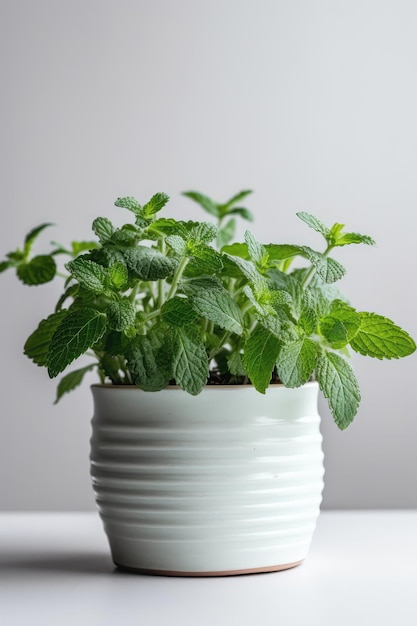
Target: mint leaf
x=314, y=223
x=279, y=252
x=339, y=385
x=32, y=235
x=255, y=249
x=177, y=243
x=167, y=226
x=37, y=344
x=149, y=264
x=147, y=361
x=296, y=362
x=127, y=235
x=308, y=317
x=328, y=269
x=235, y=364
x=39, y=270
x=77, y=332
x=121, y=314
x=204, y=232
x=249, y=270
x=349, y=238
x=4, y=265
x=213, y=302
x=235, y=199
x=260, y=355
x=130, y=203
x=226, y=233
x=103, y=228
x=205, y=260
x=245, y=213
x=118, y=275
x=379, y=337
x=190, y=362
x=178, y=312
x=89, y=274
x=155, y=204
x=71, y=381
x=341, y=325
x=204, y=201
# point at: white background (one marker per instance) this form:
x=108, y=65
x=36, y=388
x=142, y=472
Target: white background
x=310, y=103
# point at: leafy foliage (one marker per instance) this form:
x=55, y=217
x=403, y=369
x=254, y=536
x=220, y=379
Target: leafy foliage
x=160, y=301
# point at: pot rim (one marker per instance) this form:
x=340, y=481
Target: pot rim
x=310, y=383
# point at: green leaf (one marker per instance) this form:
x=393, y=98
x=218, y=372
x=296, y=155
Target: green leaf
x=279, y=252
x=82, y=246
x=39, y=270
x=149, y=264
x=341, y=325
x=235, y=364
x=147, y=361
x=121, y=314
x=32, y=235
x=214, y=302
x=339, y=385
x=118, y=275
x=178, y=312
x=308, y=318
x=260, y=355
x=177, y=243
x=328, y=269
x=103, y=228
x=255, y=249
x=204, y=201
x=4, y=265
x=296, y=362
x=314, y=223
x=190, y=362
x=37, y=344
x=202, y=233
x=245, y=213
x=349, y=238
x=226, y=233
x=249, y=270
x=379, y=337
x=236, y=198
x=72, y=380
x=127, y=235
x=237, y=249
x=205, y=260
x=168, y=226
x=77, y=332
x=89, y=274
x=155, y=204
x=130, y=203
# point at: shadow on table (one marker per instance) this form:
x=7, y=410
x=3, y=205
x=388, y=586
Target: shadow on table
x=78, y=563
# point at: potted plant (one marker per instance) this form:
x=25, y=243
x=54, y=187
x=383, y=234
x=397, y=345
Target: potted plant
x=226, y=478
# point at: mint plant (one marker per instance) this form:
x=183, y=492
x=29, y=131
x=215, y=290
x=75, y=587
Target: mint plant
x=160, y=301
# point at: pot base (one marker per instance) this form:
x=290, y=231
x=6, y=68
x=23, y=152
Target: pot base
x=236, y=572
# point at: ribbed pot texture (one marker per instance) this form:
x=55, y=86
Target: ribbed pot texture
x=226, y=482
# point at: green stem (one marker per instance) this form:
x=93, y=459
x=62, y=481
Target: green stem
x=177, y=277
x=161, y=282
x=220, y=345
x=312, y=270
x=134, y=292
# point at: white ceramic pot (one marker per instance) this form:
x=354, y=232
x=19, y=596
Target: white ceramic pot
x=226, y=482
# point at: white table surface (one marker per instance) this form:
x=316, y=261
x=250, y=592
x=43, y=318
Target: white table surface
x=55, y=569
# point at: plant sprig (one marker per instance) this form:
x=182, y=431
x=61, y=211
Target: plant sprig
x=160, y=301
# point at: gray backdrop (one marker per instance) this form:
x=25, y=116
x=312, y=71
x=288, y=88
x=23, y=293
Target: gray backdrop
x=310, y=103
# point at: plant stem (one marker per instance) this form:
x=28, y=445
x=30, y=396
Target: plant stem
x=312, y=270
x=177, y=277
x=134, y=292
